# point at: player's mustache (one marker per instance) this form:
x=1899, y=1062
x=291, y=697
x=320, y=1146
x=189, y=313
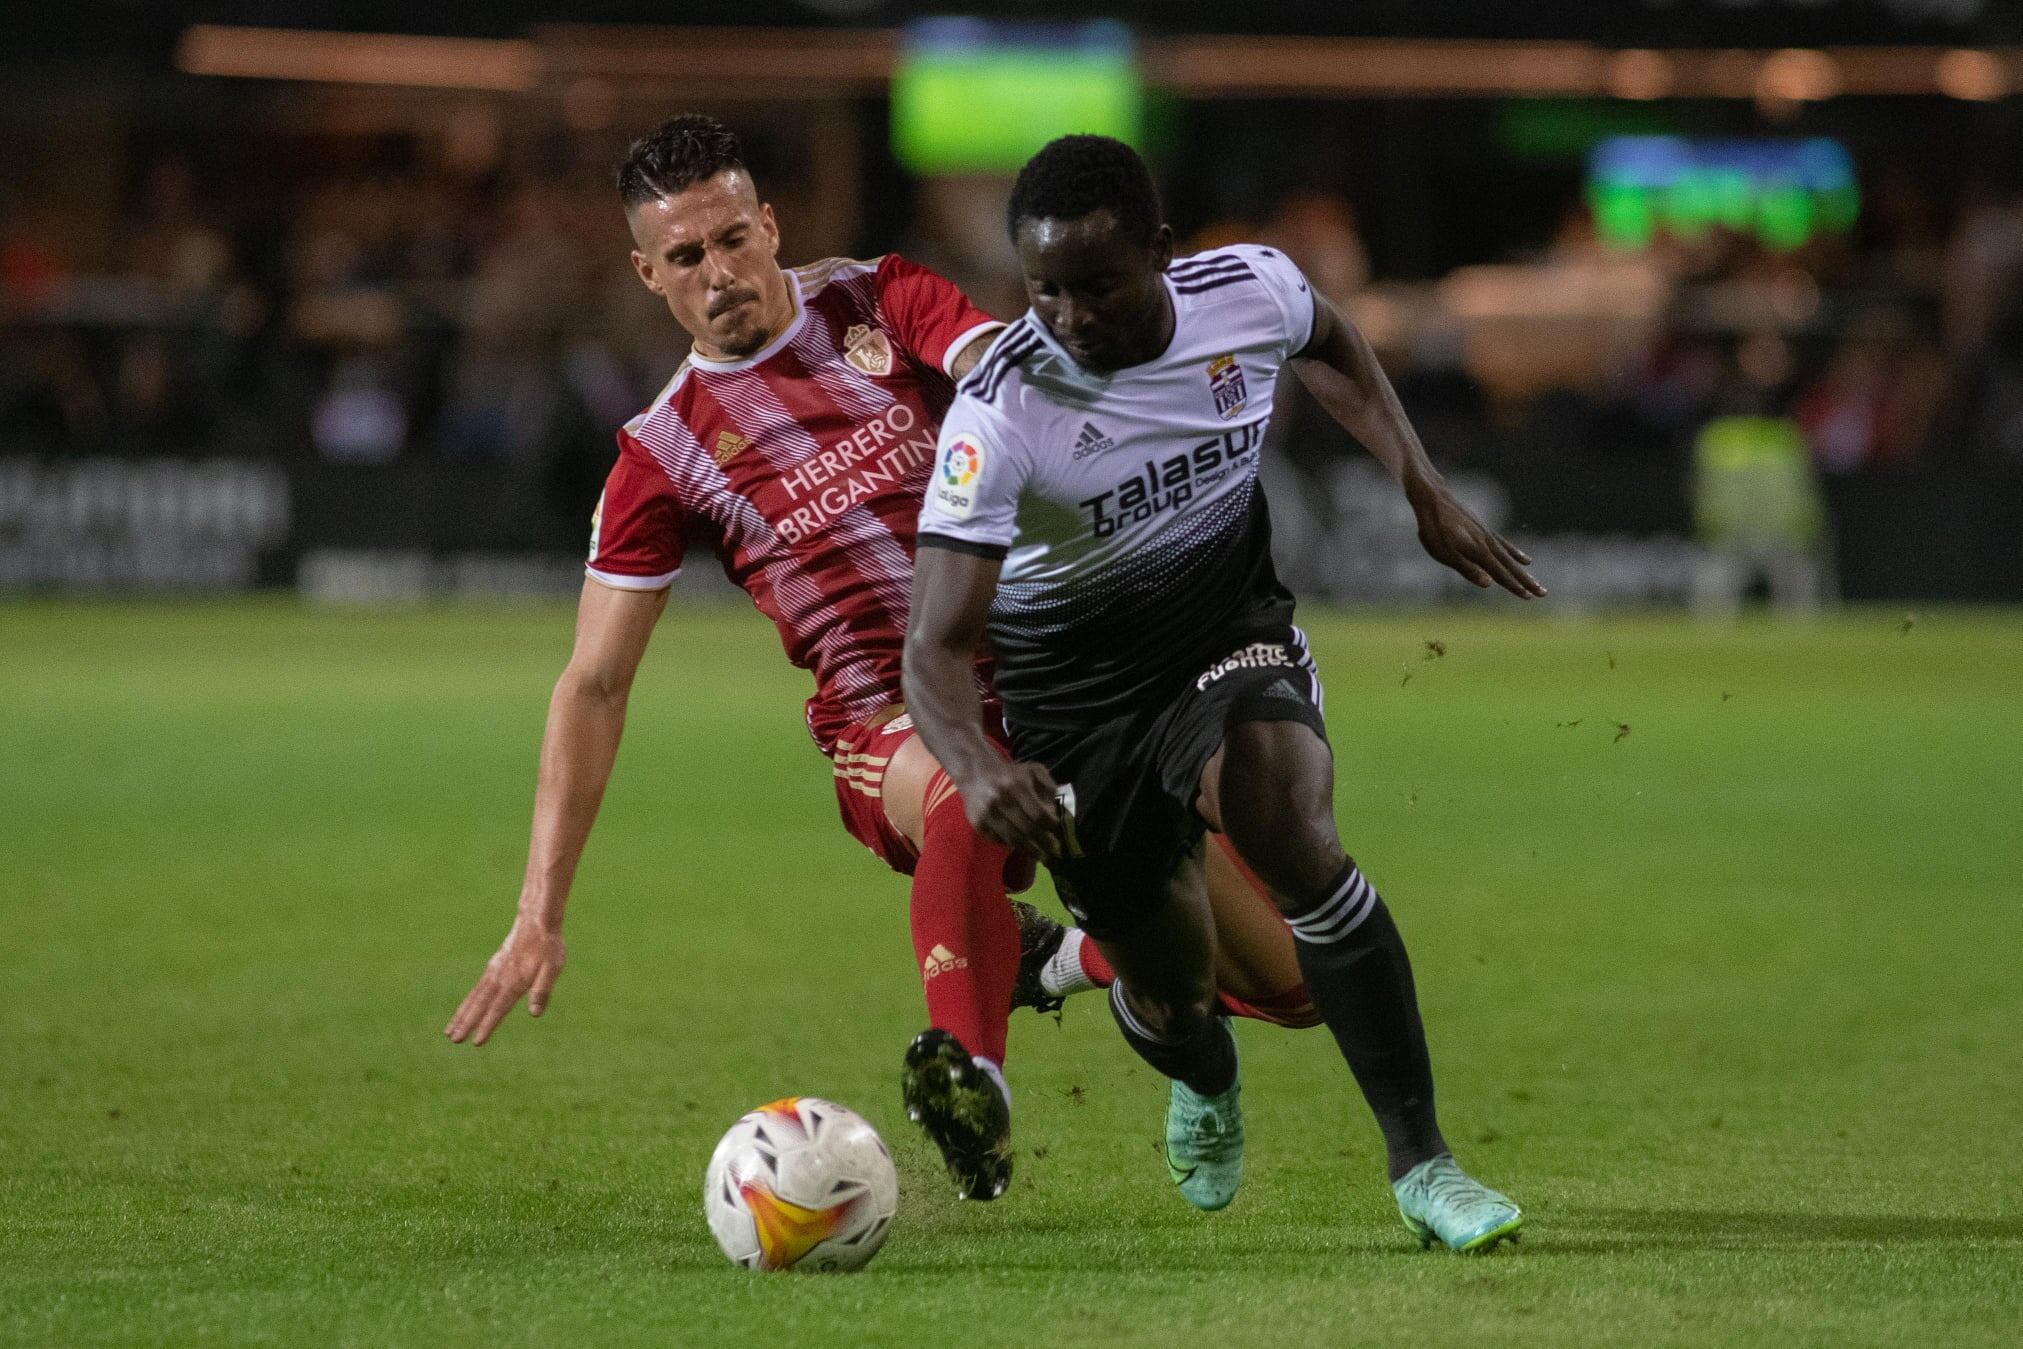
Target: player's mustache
x=731, y=301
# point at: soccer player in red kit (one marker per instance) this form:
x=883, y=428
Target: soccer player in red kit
x=797, y=441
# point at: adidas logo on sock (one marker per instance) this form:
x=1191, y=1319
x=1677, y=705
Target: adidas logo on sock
x=940, y=960
x=1092, y=441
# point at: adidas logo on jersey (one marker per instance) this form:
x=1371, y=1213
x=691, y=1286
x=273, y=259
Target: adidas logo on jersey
x=940, y=960
x=1092, y=441
x=729, y=444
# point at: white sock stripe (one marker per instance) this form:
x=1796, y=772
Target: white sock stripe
x=1339, y=916
x=1344, y=921
x=1348, y=924
x=1131, y=1023
x=1331, y=908
x=1117, y=1005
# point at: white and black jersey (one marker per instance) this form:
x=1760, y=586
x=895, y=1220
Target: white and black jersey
x=1126, y=507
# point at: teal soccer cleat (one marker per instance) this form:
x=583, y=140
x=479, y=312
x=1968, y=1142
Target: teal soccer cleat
x=1437, y=1199
x=1204, y=1145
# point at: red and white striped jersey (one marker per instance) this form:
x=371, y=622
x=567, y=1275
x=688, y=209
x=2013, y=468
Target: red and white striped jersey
x=804, y=466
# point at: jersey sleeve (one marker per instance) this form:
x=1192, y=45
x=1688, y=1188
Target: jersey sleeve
x=927, y=312
x=980, y=470
x=1289, y=290
x=635, y=534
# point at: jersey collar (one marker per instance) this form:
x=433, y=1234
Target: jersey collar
x=771, y=348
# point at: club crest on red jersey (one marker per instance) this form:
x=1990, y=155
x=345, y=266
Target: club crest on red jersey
x=1225, y=382
x=868, y=349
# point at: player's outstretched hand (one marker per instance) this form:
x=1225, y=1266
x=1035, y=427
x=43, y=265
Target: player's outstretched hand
x=526, y=965
x=1014, y=804
x=1453, y=536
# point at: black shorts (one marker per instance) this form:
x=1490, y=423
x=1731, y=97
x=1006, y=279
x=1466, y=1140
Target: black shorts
x=1132, y=781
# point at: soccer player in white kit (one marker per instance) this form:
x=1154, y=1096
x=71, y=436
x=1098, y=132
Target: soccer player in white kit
x=1095, y=511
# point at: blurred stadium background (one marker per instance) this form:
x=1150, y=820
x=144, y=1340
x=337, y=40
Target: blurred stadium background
x=1709, y=300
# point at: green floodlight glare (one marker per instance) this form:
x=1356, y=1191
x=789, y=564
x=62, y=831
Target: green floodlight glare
x=1786, y=218
x=1786, y=193
x=974, y=96
x=1623, y=215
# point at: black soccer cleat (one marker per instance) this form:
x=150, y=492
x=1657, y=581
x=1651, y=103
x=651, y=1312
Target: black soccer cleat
x=961, y=1111
x=1039, y=937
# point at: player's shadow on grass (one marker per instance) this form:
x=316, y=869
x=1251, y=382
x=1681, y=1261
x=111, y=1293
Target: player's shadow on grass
x=1640, y=1229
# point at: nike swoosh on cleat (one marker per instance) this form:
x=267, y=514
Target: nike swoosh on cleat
x=1181, y=1177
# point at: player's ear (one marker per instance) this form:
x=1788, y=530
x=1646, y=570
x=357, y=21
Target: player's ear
x=770, y=226
x=645, y=270
x=1162, y=248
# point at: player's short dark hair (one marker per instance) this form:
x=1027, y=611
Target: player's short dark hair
x=681, y=152
x=1075, y=175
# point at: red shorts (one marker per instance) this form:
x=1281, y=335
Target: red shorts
x=862, y=752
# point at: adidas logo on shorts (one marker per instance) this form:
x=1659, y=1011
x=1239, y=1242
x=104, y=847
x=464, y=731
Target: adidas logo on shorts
x=1282, y=688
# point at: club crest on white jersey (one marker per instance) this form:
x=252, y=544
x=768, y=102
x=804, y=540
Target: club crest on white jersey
x=1225, y=383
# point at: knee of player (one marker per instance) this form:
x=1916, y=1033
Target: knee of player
x=1175, y=1020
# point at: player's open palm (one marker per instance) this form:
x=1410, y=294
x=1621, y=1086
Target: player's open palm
x=1453, y=536
x=526, y=965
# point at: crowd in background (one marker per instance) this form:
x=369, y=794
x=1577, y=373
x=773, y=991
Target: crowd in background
x=419, y=314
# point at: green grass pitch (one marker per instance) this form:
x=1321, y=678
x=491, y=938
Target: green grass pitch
x=1730, y=1002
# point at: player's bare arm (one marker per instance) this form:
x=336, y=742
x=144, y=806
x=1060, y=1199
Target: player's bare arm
x=966, y=359
x=1010, y=803
x=586, y=717
x=1341, y=371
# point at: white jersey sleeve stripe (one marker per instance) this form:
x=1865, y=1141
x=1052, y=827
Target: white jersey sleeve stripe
x=961, y=344
x=620, y=582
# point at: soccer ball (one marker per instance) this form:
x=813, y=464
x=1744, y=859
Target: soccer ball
x=801, y=1183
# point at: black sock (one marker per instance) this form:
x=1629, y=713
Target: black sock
x=1206, y=1063
x=1361, y=981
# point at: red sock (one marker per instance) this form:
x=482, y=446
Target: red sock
x=964, y=935
x=1095, y=966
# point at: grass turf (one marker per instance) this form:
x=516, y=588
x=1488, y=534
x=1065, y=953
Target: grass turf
x=1728, y=1002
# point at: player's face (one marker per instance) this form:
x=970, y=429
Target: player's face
x=1096, y=288
x=711, y=252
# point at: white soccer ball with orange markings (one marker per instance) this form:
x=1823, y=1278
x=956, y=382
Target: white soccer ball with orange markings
x=801, y=1183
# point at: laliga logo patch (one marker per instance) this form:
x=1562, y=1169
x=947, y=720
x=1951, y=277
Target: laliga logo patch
x=1225, y=382
x=868, y=349
x=961, y=464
